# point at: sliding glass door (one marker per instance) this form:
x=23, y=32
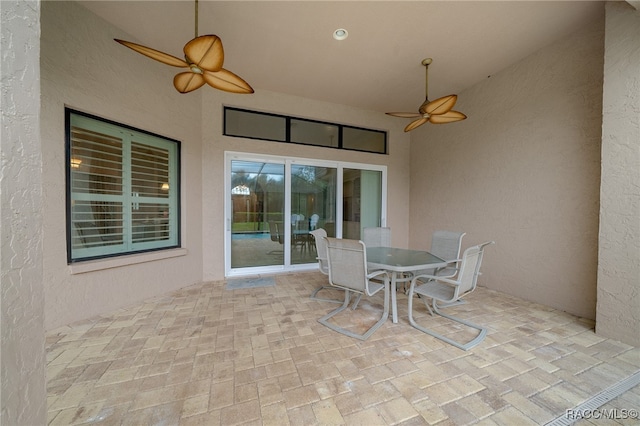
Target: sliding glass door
x=313, y=205
x=272, y=203
x=257, y=212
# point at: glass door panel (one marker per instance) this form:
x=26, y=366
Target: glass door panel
x=257, y=214
x=313, y=205
x=361, y=201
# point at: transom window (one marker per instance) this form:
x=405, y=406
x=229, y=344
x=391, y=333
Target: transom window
x=122, y=189
x=282, y=128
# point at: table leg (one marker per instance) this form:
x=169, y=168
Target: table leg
x=394, y=304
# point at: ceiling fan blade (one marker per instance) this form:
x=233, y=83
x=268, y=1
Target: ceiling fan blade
x=188, y=81
x=154, y=54
x=227, y=81
x=404, y=114
x=416, y=123
x=206, y=52
x=441, y=105
x=447, y=117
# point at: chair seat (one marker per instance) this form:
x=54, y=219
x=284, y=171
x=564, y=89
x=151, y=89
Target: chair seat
x=374, y=287
x=437, y=290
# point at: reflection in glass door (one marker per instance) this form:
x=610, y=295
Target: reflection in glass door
x=313, y=205
x=361, y=201
x=257, y=214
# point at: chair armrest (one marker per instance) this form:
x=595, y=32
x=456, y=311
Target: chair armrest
x=434, y=278
x=375, y=274
x=451, y=263
x=451, y=269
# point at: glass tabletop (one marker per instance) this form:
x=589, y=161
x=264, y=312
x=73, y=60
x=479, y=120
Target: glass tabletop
x=402, y=260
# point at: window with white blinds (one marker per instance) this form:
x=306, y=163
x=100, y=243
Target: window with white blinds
x=122, y=189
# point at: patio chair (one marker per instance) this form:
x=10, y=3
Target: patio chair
x=313, y=221
x=446, y=245
x=348, y=271
x=276, y=236
x=323, y=264
x=447, y=290
x=321, y=249
x=300, y=235
x=376, y=237
x=274, y=233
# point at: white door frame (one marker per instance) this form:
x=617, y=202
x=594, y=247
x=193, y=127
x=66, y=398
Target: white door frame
x=229, y=156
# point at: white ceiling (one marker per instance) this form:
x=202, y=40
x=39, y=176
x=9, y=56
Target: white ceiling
x=287, y=46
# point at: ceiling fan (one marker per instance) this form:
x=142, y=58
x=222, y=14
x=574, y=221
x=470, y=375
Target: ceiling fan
x=203, y=56
x=436, y=112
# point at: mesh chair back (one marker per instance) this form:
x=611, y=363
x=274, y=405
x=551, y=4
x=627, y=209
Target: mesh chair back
x=446, y=244
x=313, y=221
x=470, y=268
x=347, y=264
x=321, y=249
x=274, y=232
x=377, y=237
x=301, y=225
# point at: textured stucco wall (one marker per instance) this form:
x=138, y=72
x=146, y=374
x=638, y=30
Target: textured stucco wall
x=523, y=170
x=83, y=68
x=215, y=145
x=22, y=355
x=618, y=312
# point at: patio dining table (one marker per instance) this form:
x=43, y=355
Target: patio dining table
x=399, y=262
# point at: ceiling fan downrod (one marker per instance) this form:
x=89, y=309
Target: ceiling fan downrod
x=426, y=62
x=196, y=26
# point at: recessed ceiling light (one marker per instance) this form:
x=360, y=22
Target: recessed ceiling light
x=340, y=34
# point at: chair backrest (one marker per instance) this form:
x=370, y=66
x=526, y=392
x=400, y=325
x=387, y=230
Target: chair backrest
x=376, y=237
x=470, y=268
x=321, y=249
x=446, y=244
x=347, y=264
x=313, y=221
x=302, y=225
x=274, y=232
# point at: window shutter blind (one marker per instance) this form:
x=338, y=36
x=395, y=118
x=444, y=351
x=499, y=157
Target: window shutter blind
x=123, y=190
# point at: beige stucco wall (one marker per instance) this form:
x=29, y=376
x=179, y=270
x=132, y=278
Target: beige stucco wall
x=523, y=170
x=83, y=68
x=215, y=146
x=618, y=313
x=22, y=352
